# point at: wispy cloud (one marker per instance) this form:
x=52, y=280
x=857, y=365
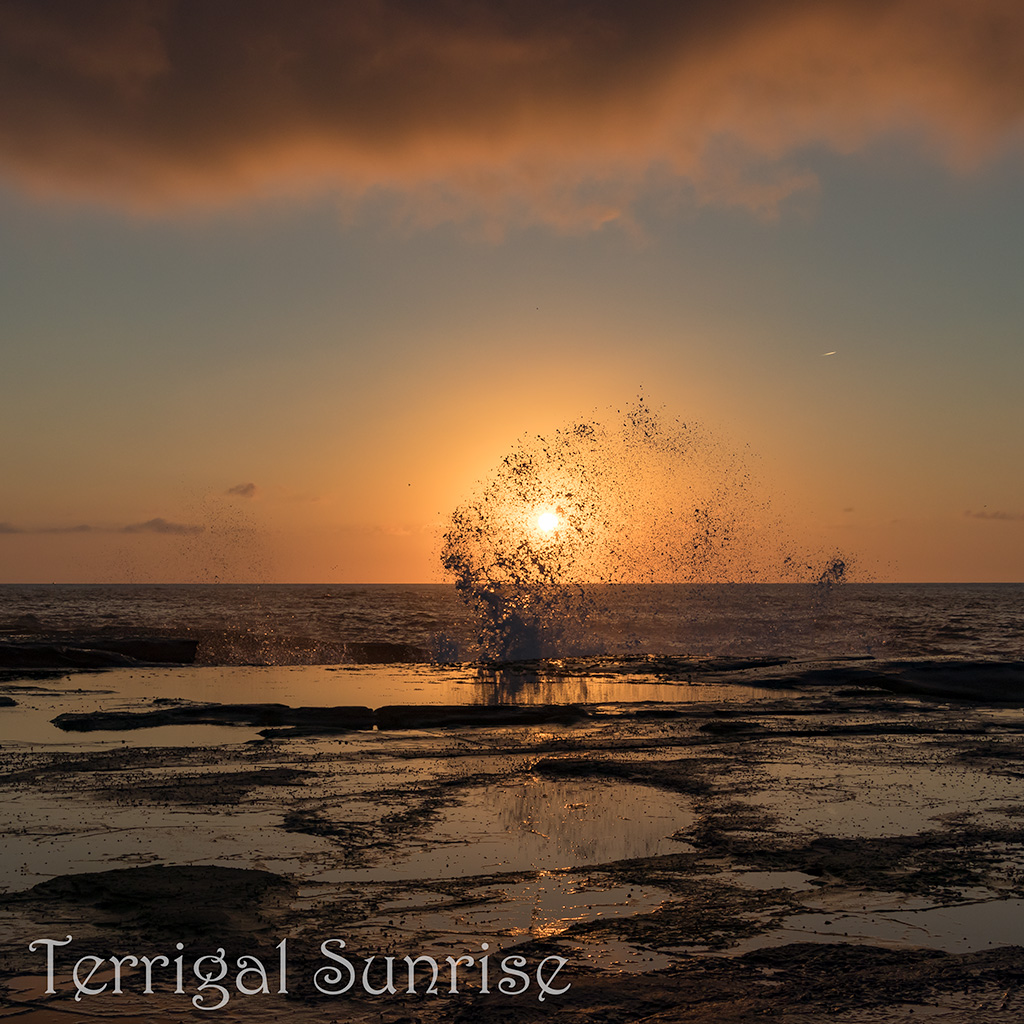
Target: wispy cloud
x=554, y=110
x=242, y=490
x=404, y=530
x=996, y=514
x=159, y=525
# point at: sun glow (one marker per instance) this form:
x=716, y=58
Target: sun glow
x=547, y=522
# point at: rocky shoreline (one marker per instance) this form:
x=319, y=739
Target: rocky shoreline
x=793, y=857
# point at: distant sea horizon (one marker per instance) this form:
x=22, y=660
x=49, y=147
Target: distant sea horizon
x=297, y=623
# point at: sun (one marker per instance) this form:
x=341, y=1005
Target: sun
x=547, y=522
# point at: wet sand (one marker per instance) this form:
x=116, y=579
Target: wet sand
x=798, y=844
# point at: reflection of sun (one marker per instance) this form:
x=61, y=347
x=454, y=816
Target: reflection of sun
x=547, y=522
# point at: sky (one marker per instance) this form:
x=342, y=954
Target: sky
x=281, y=284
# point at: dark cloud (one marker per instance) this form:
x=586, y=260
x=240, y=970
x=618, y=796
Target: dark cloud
x=162, y=526
x=985, y=514
x=10, y=528
x=543, y=109
x=242, y=490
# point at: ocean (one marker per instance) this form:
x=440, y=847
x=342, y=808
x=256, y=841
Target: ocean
x=275, y=624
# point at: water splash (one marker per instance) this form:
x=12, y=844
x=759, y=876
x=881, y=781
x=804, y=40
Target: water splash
x=835, y=572
x=636, y=497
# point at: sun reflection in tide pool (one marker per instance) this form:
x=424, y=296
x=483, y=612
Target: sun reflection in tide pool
x=517, y=825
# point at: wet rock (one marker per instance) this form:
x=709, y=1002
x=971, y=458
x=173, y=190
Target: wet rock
x=989, y=681
x=382, y=652
x=719, y=727
x=207, y=789
x=27, y=623
x=97, y=652
x=182, y=900
x=682, y=775
x=434, y=716
x=336, y=718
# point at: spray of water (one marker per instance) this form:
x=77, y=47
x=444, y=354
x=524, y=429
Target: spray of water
x=631, y=497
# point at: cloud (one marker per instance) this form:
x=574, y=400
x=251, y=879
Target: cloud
x=394, y=531
x=1008, y=516
x=159, y=525
x=554, y=110
x=242, y=490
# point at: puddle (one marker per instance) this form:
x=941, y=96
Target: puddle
x=504, y=913
x=792, y=881
x=30, y=724
x=981, y=1004
x=955, y=929
x=377, y=685
x=371, y=686
x=550, y=823
x=508, y=825
x=877, y=790
x=540, y=908
x=50, y=837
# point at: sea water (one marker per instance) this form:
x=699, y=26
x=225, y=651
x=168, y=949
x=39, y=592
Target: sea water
x=276, y=624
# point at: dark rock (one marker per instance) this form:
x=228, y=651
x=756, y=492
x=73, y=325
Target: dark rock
x=182, y=901
x=383, y=652
x=985, y=682
x=433, y=716
x=730, y=728
x=97, y=652
x=27, y=623
x=334, y=719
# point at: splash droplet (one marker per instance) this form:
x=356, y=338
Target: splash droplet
x=627, y=498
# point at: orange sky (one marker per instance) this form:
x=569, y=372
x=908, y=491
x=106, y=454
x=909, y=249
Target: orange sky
x=350, y=253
